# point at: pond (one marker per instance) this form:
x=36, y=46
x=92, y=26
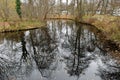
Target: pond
x=62, y=50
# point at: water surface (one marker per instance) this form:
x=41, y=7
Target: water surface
x=62, y=50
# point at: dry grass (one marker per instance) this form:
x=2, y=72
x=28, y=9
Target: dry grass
x=19, y=25
x=110, y=25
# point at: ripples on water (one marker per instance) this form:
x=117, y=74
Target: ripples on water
x=63, y=50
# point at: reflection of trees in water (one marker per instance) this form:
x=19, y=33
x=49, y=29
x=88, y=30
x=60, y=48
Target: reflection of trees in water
x=12, y=63
x=80, y=41
x=112, y=70
x=24, y=50
x=39, y=48
x=44, y=50
x=3, y=74
x=38, y=45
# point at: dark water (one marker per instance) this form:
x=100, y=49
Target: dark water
x=63, y=50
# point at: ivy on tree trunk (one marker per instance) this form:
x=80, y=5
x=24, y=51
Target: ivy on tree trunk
x=18, y=8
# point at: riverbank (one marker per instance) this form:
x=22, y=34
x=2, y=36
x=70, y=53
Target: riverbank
x=110, y=28
x=11, y=26
x=109, y=25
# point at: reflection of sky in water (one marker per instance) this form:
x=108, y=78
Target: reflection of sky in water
x=49, y=54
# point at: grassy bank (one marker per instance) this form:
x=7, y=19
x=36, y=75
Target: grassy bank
x=10, y=26
x=109, y=25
